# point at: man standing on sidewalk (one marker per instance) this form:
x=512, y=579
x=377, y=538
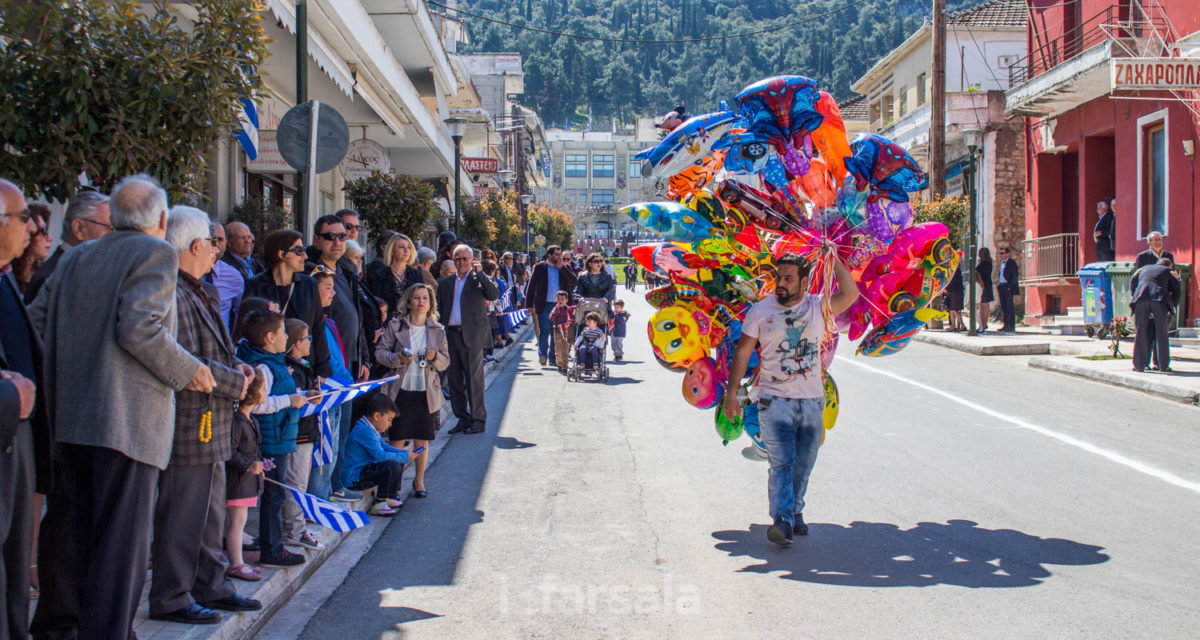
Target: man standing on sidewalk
x=1155, y=252
x=1006, y=287
x=789, y=328
x=1104, y=231
x=463, y=298
x=1155, y=291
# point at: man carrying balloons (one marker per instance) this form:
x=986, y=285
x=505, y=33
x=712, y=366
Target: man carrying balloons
x=787, y=330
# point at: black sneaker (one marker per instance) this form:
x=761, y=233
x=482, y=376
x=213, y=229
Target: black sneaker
x=799, y=528
x=288, y=559
x=780, y=533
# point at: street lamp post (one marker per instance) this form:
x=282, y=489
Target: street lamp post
x=972, y=138
x=458, y=127
x=525, y=200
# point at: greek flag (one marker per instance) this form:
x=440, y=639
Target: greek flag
x=509, y=321
x=328, y=514
x=247, y=116
x=334, y=393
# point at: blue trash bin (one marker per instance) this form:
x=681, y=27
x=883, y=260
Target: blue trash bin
x=1096, y=283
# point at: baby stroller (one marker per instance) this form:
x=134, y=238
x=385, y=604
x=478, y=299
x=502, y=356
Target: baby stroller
x=599, y=306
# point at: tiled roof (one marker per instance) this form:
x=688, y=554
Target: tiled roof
x=993, y=13
x=854, y=109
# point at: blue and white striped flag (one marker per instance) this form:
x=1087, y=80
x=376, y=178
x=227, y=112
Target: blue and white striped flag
x=509, y=321
x=247, y=117
x=335, y=393
x=328, y=514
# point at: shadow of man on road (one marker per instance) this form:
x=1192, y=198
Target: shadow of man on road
x=877, y=554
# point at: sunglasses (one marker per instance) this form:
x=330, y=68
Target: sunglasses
x=332, y=237
x=354, y=227
x=296, y=250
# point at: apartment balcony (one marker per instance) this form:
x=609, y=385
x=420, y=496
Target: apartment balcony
x=1051, y=260
x=1074, y=68
x=910, y=131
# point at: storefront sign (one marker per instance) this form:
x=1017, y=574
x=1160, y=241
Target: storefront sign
x=269, y=159
x=1156, y=73
x=480, y=165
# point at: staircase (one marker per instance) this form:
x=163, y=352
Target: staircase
x=1071, y=324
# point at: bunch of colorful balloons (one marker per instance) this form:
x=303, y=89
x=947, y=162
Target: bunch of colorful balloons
x=779, y=176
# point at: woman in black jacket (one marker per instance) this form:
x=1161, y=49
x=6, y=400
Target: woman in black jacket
x=285, y=284
x=400, y=256
x=596, y=283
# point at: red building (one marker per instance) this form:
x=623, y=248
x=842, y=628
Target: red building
x=1109, y=97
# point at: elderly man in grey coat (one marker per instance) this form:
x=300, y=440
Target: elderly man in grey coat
x=108, y=317
x=189, y=580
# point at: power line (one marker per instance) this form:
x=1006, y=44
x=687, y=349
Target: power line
x=580, y=36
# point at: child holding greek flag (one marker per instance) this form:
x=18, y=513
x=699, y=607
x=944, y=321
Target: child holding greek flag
x=295, y=533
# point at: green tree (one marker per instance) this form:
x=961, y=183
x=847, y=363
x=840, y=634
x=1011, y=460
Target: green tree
x=952, y=211
x=476, y=227
x=111, y=88
x=397, y=202
x=505, y=213
x=553, y=224
x=261, y=218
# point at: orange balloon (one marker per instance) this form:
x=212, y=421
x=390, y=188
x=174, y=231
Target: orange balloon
x=817, y=184
x=830, y=137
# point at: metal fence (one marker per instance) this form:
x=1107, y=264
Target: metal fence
x=1051, y=258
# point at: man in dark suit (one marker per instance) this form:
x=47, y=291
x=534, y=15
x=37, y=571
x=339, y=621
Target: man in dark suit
x=24, y=436
x=87, y=217
x=1155, y=292
x=1006, y=287
x=463, y=306
x=188, y=580
x=1150, y=256
x=548, y=278
x=1104, y=232
x=239, y=250
x=112, y=368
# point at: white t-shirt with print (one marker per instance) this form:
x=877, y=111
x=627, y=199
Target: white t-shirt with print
x=789, y=340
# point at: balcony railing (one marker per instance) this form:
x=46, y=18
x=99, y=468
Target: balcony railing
x=1051, y=258
x=1089, y=33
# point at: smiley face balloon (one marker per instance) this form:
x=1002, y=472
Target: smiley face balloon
x=677, y=338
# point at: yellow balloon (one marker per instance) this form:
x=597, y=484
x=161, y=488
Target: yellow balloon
x=830, y=412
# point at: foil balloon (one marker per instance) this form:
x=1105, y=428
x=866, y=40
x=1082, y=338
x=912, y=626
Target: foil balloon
x=728, y=429
x=678, y=337
x=829, y=412
x=687, y=144
x=897, y=332
x=703, y=384
x=672, y=220
x=780, y=110
x=886, y=166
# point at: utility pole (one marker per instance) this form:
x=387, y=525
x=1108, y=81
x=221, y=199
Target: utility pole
x=300, y=202
x=519, y=161
x=937, y=106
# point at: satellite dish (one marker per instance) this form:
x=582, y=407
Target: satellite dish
x=333, y=137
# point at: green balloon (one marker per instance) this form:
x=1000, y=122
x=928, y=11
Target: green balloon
x=728, y=430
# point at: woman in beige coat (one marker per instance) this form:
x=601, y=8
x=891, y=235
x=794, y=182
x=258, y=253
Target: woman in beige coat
x=413, y=346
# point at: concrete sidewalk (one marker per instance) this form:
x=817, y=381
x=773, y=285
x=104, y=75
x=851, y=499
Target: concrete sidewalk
x=1076, y=356
x=279, y=585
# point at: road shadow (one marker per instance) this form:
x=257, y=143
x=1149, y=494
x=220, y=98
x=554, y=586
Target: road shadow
x=877, y=554
x=505, y=442
x=617, y=381
x=424, y=544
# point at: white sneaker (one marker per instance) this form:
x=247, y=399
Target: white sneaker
x=306, y=540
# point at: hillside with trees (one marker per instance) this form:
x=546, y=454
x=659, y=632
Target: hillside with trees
x=571, y=80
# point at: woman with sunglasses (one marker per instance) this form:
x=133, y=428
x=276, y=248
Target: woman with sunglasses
x=39, y=247
x=596, y=282
x=285, y=284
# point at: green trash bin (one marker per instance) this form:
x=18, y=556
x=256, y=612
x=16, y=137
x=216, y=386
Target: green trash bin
x=1122, y=275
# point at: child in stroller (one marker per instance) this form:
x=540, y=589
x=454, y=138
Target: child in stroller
x=589, y=341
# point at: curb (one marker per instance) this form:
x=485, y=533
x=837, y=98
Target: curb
x=279, y=586
x=1119, y=379
x=975, y=348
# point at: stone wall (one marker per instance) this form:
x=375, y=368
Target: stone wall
x=1007, y=184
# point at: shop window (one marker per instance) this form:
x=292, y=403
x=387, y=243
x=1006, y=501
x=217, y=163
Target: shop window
x=603, y=166
x=576, y=166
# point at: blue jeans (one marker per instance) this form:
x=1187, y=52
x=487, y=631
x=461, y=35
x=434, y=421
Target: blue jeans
x=270, y=510
x=544, y=330
x=320, y=481
x=791, y=431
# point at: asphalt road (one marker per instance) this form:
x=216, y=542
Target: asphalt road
x=957, y=497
